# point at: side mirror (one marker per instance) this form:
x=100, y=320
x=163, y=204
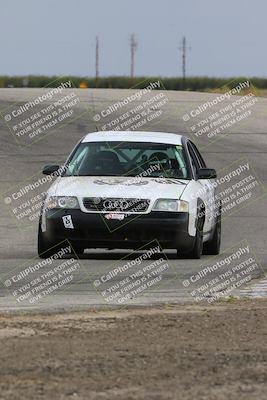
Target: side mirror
x=206, y=173
x=50, y=169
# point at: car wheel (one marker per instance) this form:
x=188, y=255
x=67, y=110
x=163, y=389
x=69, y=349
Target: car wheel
x=77, y=250
x=213, y=246
x=45, y=249
x=196, y=252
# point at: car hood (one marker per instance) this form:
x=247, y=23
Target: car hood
x=118, y=187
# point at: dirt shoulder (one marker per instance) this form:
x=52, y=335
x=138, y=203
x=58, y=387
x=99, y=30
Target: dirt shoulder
x=179, y=352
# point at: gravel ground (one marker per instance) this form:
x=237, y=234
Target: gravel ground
x=171, y=352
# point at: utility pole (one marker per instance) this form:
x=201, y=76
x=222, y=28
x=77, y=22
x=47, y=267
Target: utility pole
x=133, y=46
x=96, y=61
x=184, y=49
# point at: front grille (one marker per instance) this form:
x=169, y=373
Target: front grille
x=115, y=204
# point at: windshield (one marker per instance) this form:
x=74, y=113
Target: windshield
x=128, y=159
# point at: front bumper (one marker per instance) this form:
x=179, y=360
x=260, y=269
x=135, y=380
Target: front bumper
x=92, y=230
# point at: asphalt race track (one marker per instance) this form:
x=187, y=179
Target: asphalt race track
x=245, y=140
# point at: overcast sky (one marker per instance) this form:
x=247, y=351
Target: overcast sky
x=227, y=37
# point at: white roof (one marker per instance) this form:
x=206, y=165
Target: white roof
x=133, y=136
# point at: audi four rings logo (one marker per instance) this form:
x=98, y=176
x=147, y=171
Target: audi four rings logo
x=113, y=204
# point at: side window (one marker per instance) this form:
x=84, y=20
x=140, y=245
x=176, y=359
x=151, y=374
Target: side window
x=194, y=160
x=199, y=156
x=76, y=164
x=179, y=154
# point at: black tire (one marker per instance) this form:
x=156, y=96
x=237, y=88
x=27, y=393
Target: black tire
x=77, y=250
x=213, y=246
x=196, y=253
x=197, y=250
x=45, y=249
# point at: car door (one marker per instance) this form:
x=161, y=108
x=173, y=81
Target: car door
x=206, y=185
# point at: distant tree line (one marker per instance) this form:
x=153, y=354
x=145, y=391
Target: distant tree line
x=197, y=83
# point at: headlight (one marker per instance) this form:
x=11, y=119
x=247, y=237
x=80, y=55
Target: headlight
x=62, y=202
x=171, y=205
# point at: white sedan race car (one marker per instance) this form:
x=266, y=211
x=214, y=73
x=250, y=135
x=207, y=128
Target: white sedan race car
x=126, y=189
